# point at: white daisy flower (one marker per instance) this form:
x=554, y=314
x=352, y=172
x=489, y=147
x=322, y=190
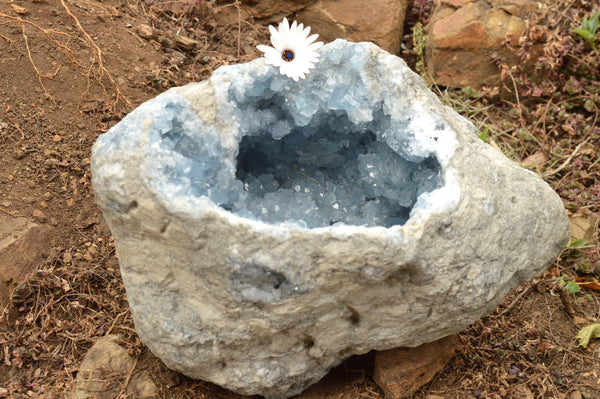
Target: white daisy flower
x=293, y=50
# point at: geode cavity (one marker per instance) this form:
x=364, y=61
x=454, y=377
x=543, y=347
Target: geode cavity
x=268, y=229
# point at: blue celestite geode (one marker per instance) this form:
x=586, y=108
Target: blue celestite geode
x=268, y=229
x=337, y=148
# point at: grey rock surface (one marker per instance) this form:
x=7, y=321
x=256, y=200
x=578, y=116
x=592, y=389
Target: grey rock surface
x=232, y=278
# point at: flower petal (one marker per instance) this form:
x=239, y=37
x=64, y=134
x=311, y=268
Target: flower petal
x=295, y=38
x=284, y=26
x=312, y=38
x=273, y=31
x=272, y=56
x=305, y=32
x=315, y=46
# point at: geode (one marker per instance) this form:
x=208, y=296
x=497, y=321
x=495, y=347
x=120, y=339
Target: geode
x=268, y=229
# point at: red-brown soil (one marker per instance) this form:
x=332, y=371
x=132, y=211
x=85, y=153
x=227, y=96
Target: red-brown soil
x=71, y=69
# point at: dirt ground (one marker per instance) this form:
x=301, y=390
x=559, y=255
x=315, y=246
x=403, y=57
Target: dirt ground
x=71, y=69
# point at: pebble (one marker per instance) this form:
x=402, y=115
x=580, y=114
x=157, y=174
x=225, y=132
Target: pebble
x=19, y=154
x=67, y=258
x=39, y=216
x=575, y=395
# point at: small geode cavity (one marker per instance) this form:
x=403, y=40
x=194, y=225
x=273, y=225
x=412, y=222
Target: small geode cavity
x=268, y=229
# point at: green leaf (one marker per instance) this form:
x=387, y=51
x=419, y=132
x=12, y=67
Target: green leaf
x=572, y=287
x=587, y=333
x=593, y=23
x=589, y=105
x=583, y=33
x=483, y=136
x=596, y=16
x=578, y=243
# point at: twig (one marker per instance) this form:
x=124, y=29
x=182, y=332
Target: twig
x=98, y=53
x=9, y=213
x=304, y=174
x=126, y=383
x=37, y=71
x=239, y=38
x=566, y=302
x=564, y=164
x=115, y=322
x=23, y=22
x=517, y=97
x=516, y=300
x=46, y=32
x=16, y=125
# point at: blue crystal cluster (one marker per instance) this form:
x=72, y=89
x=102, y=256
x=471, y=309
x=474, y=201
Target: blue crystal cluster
x=336, y=148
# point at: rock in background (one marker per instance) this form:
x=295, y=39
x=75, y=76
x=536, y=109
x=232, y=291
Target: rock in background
x=377, y=21
x=466, y=35
x=22, y=247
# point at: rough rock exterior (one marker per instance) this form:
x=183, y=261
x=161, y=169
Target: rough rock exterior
x=377, y=21
x=400, y=372
x=466, y=35
x=22, y=248
x=268, y=308
x=108, y=372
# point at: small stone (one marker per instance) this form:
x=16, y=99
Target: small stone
x=186, y=43
x=402, y=371
x=88, y=256
x=146, y=32
x=39, y=216
x=67, y=258
x=56, y=138
x=88, y=222
x=575, y=395
x=47, y=196
x=93, y=250
x=105, y=370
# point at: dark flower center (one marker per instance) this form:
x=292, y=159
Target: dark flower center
x=287, y=55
